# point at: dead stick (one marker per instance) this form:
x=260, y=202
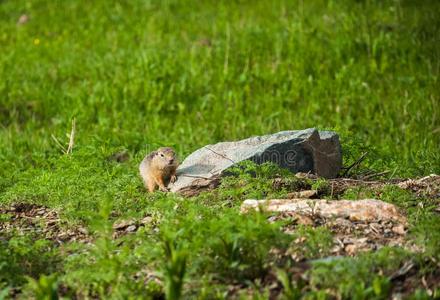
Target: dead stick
x=222, y=155
x=367, y=173
x=58, y=143
x=376, y=175
x=72, y=135
x=356, y=163
x=333, y=187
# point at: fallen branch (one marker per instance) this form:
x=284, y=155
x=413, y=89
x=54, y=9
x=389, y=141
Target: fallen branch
x=333, y=189
x=367, y=173
x=355, y=163
x=376, y=175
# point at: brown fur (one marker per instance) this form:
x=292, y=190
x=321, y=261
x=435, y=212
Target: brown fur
x=158, y=168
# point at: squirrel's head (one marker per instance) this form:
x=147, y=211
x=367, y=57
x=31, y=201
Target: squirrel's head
x=167, y=157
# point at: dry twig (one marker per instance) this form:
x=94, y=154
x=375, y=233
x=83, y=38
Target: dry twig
x=71, y=137
x=355, y=163
x=376, y=175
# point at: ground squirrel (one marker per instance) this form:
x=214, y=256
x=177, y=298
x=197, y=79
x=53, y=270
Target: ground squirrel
x=159, y=167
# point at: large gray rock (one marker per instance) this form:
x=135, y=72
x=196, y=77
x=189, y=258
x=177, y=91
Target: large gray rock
x=308, y=150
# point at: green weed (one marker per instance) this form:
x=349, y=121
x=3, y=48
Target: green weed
x=291, y=291
x=174, y=267
x=45, y=288
x=358, y=278
x=26, y=256
x=316, y=242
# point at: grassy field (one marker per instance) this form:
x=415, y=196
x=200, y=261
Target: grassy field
x=139, y=74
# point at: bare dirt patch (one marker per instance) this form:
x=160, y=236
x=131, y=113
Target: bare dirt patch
x=29, y=217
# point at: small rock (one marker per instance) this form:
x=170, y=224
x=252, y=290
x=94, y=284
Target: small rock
x=341, y=222
x=147, y=220
x=302, y=175
x=376, y=227
x=304, y=220
x=302, y=194
x=63, y=236
x=83, y=230
x=274, y=218
x=300, y=240
x=289, y=231
x=394, y=243
x=51, y=222
x=399, y=229
x=336, y=249
x=131, y=228
x=361, y=226
x=350, y=249
x=358, y=246
x=121, y=224
x=362, y=241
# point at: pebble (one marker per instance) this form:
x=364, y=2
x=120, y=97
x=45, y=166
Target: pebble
x=131, y=228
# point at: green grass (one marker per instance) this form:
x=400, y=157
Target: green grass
x=141, y=74
x=138, y=73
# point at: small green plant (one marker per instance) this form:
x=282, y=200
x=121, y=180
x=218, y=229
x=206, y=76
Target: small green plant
x=291, y=291
x=426, y=234
x=316, y=242
x=381, y=287
x=26, y=255
x=241, y=248
x=358, y=278
x=107, y=266
x=249, y=169
x=250, y=180
x=174, y=267
x=358, y=192
x=322, y=186
x=423, y=295
x=45, y=288
x=4, y=292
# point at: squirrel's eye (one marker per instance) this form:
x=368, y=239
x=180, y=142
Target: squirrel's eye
x=161, y=154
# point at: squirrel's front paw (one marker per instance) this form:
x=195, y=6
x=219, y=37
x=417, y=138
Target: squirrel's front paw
x=164, y=189
x=173, y=178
